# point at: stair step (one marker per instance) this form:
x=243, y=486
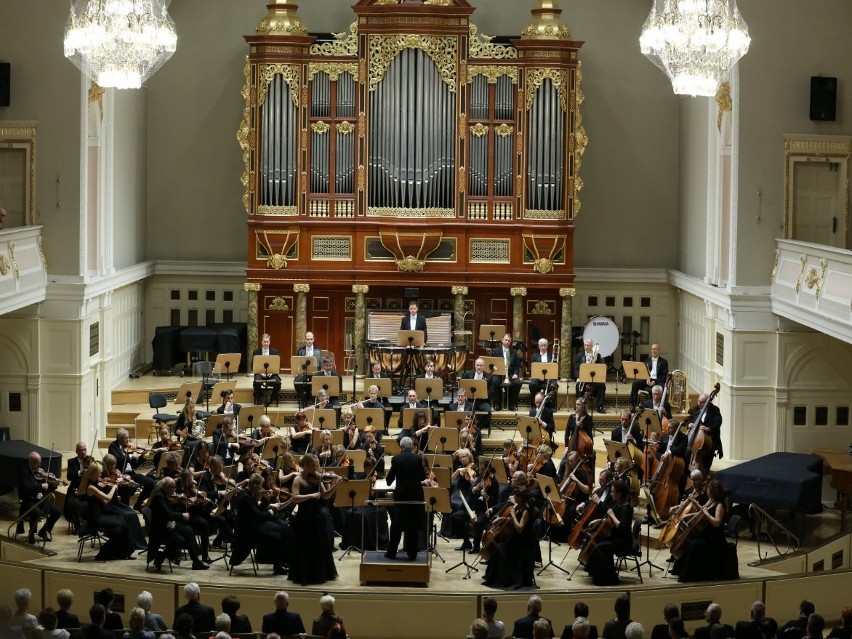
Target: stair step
x=112, y=429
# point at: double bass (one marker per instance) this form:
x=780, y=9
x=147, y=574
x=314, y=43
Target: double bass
x=699, y=446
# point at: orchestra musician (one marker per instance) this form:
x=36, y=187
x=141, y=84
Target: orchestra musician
x=288, y=471
x=513, y=369
x=302, y=382
x=664, y=410
x=376, y=372
x=130, y=519
x=258, y=523
x=626, y=432
x=512, y=562
x=74, y=505
x=658, y=371
x=33, y=484
x=270, y=379
x=170, y=526
x=510, y=456
x=711, y=424
x=185, y=421
x=428, y=370
x=190, y=500
x=481, y=421
x=215, y=485
x=544, y=357
x=414, y=321
x=171, y=467
x=571, y=471
x=481, y=403
x=311, y=558
x=461, y=484
x=323, y=448
x=352, y=436
x=582, y=417
x=375, y=454
x=418, y=431
x=98, y=497
x=324, y=403
x=484, y=492
x=518, y=479
x=601, y=562
x=128, y=459
x=411, y=401
x=544, y=417
x=602, y=492
x=328, y=370
x=163, y=444
x=596, y=389
x=673, y=444
x=408, y=471
x=301, y=433
x=200, y=461
x=262, y=434
x=228, y=406
x=225, y=442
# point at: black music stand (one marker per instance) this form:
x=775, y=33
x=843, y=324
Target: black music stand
x=491, y=333
x=306, y=367
x=649, y=507
x=357, y=494
x=266, y=366
x=549, y=489
x=470, y=567
x=227, y=363
x=437, y=500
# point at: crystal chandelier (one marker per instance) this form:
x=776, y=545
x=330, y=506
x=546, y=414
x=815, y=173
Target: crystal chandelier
x=695, y=42
x=119, y=43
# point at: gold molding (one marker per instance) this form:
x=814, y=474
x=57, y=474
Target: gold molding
x=244, y=135
x=775, y=266
x=539, y=214
x=278, y=304
x=410, y=264
x=281, y=19
x=14, y=261
x=343, y=44
x=333, y=69
x=514, y=292
x=388, y=211
x=301, y=288
x=723, y=103
x=320, y=128
x=360, y=288
x=542, y=307
x=251, y=287
x=479, y=129
x=823, y=263
x=442, y=50
x=40, y=245
x=803, y=259
x=567, y=292
x=504, y=130
x=4, y=265
x=492, y=72
x=291, y=73
x=458, y=290
x=480, y=46
x=345, y=127
x=559, y=78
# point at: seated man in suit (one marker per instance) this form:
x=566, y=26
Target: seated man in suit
x=225, y=443
x=127, y=463
x=626, y=433
x=203, y=617
x=545, y=417
x=658, y=371
x=171, y=527
x=481, y=403
x=327, y=370
x=302, y=382
x=483, y=422
x=542, y=356
x=414, y=321
x=33, y=485
x=270, y=379
x=523, y=627
x=282, y=622
x=513, y=370
x=655, y=402
x=596, y=389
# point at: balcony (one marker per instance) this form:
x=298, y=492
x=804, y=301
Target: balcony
x=23, y=269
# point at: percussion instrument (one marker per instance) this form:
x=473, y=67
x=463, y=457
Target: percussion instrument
x=603, y=331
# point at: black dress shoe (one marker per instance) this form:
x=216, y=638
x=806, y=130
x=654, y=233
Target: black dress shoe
x=31, y=539
x=390, y=555
x=279, y=569
x=474, y=550
x=45, y=535
x=199, y=565
x=464, y=547
x=206, y=559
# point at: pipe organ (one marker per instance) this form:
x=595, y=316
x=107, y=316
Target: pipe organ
x=411, y=150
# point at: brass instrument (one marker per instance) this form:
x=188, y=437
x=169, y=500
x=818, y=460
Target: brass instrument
x=199, y=430
x=555, y=361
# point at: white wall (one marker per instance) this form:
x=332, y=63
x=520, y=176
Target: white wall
x=130, y=180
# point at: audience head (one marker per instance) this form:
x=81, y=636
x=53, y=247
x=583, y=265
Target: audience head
x=677, y=630
x=622, y=607
x=713, y=613
x=670, y=611
x=816, y=624
x=634, y=630
x=22, y=598
x=581, y=610
x=580, y=628
x=846, y=616
x=192, y=592
x=479, y=629
x=230, y=605
x=489, y=606
x=64, y=598
x=47, y=619
x=136, y=621
x=222, y=635
x=768, y=628
x=282, y=600
x=758, y=611
x=223, y=622
x=183, y=624
x=541, y=629
x=5, y=615
x=327, y=603
x=534, y=604
x=806, y=608
x=97, y=615
x=145, y=600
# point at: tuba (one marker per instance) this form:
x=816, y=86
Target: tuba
x=199, y=430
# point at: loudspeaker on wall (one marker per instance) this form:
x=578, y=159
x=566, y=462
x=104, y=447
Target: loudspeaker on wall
x=823, y=98
x=5, y=83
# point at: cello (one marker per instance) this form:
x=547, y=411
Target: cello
x=699, y=445
x=689, y=530
x=499, y=531
x=664, y=486
x=651, y=442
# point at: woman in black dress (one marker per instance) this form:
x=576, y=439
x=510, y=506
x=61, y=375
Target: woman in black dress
x=511, y=564
x=601, y=562
x=118, y=546
x=706, y=555
x=311, y=558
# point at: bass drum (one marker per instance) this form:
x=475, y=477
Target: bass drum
x=604, y=332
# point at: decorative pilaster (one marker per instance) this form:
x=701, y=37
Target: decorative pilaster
x=567, y=295
x=301, y=291
x=518, y=295
x=458, y=308
x=360, y=336
x=252, y=288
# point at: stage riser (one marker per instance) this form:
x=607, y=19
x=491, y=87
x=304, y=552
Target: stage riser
x=376, y=568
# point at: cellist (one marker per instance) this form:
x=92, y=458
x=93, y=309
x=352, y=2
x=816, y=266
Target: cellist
x=673, y=444
x=582, y=418
x=704, y=559
x=601, y=562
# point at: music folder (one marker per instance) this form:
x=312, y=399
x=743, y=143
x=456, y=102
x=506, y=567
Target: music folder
x=410, y=338
x=227, y=363
x=214, y=421
x=303, y=365
x=249, y=417
x=635, y=370
x=649, y=420
x=356, y=457
x=266, y=365
x=323, y=419
x=614, y=450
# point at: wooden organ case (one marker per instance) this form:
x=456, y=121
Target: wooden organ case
x=409, y=151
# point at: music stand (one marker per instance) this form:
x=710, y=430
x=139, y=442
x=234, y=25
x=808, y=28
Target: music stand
x=384, y=385
x=491, y=332
x=443, y=439
x=476, y=389
x=635, y=370
x=545, y=372
x=162, y=463
x=214, y=422
x=272, y=448
x=463, y=562
x=432, y=390
x=443, y=477
x=455, y=419
x=325, y=419
x=530, y=429
x=614, y=450
x=336, y=437
x=440, y=460
x=410, y=338
x=356, y=457
x=391, y=446
x=227, y=363
x=266, y=366
x=437, y=501
x=223, y=502
x=357, y=493
x=329, y=383
x=550, y=492
x=370, y=418
x=408, y=415
x=499, y=468
x=249, y=417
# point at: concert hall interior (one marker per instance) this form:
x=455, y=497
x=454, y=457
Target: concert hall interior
x=515, y=169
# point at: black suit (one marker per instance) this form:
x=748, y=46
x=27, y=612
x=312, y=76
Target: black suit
x=203, y=617
x=537, y=385
x=176, y=537
x=617, y=434
x=126, y=464
x=302, y=382
x=549, y=424
x=642, y=384
x=65, y=619
x=704, y=631
x=481, y=402
x=407, y=471
x=30, y=491
x=283, y=623
x=73, y=508
x=240, y=624
x=649, y=403
x=222, y=447
x=598, y=388
x=419, y=325
x=713, y=421
x=496, y=382
x=747, y=630
x=272, y=380
x=678, y=448
x=524, y=626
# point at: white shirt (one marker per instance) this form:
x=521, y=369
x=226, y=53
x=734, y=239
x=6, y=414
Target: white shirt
x=653, y=372
x=412, y=322
x=543, y=357
x=264, y=351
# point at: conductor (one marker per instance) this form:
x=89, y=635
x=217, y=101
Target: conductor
x=408, y=472
x=414, y=321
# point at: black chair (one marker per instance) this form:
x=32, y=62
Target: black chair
x=87, y=535
x=634, y=554
x=732, y=527
x=157, y=401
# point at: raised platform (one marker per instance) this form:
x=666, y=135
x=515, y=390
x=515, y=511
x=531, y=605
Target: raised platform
x=377, y=569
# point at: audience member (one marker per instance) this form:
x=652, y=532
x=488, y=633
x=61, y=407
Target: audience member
x=720, y=631
x=496, y=629
x=327, y=618
x=203, y=617
x=478, y=629
x=712, y=615
x=523, y=628
x=614, y=628
x=337, y=631
x=64, y=617
x=542, y=629
x=843, y=631
x=136, y=623
x=816, y=624
x=581, y=610
x=634, y=630
x=21, y=618
x=113, y=619
x=796, y=628
x=223, y=623
x=240, y=624
x=579, y=629
x=13, y=632
x=153, y=621
x=768, y=628
x=95, y=629
x=222, y=635
x=183, y=626
x=751, y=629
x=661, y=630
x=47, y=626
x=677, y=630
x=281, y=621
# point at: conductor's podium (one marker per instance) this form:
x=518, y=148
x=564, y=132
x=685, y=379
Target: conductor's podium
x=376, y=568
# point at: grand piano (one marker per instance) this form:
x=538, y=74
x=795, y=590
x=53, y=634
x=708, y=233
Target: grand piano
x=838, y=464
x=13, y=457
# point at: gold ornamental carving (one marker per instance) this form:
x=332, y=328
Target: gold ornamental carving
x=342, y=45
x=546, y=23
x=802, y=259
x=410, y=264
x=439, y=3
x=458, y=290
x=301, y=288
x=276, y=255
x=515, y=292
x=251, y=287
x=278, y=304
x=559, y=78
x=775, y=267
x=723, y=103
x=567, y=292
x=320, y=128
x=40, y=244
x=281, y=19
x=14, y=261
x=345, y=127
x=480, y=46
x=362, y=120
x=244, y=135
x=504, y=130
x=291, y=73
x=491, y=73
x=462, y=179
x=812, y=277
x=362, y=177
x=361, y=288
x=333, y=69
x=96, y=94
x=541, y=308
x=543, y=265
x=823, y=264
x=442, y=50
x=410, y=248
x=4, y=265
x=479, y=129
x=391, y=211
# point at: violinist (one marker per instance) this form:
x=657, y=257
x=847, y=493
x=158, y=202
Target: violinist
x=201, y=461
x=418, y=431
x=225, y=442
x=33, y=484
x=518, y=479
x=706, y=557
x=512, y=562
x=311, y=558
x=544, y=417
x=664, y=409
x=74, y=503
x=188, y=499
x=215, y=485
x=461, y=493
x=339, y=459
x=301, y=433
x=582, y=419
x=288, y=471
x=263, y=433
x=246, y=467
x=323, y=451
x=376, y=372
x=228, y=406
x=128, y=458
x=510, y=457
x=170, y=526
x=468, y=441
x=165, y=443
x=484, y=493
x=171, y=467
x=111, y=475
x=258, y=523
x=601, y=492
x=118, y=544
x=618, y=519
x=375, y=454
x=352, y=435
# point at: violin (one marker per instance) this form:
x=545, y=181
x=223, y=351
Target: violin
x=43, y=476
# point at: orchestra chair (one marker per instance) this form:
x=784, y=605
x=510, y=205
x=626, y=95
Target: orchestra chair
x=91, y=536
x=732, y=527
x=622, y=561
x=157, y=401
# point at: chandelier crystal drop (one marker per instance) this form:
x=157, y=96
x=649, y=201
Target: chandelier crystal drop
x=695, y=42
x=119, y=43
